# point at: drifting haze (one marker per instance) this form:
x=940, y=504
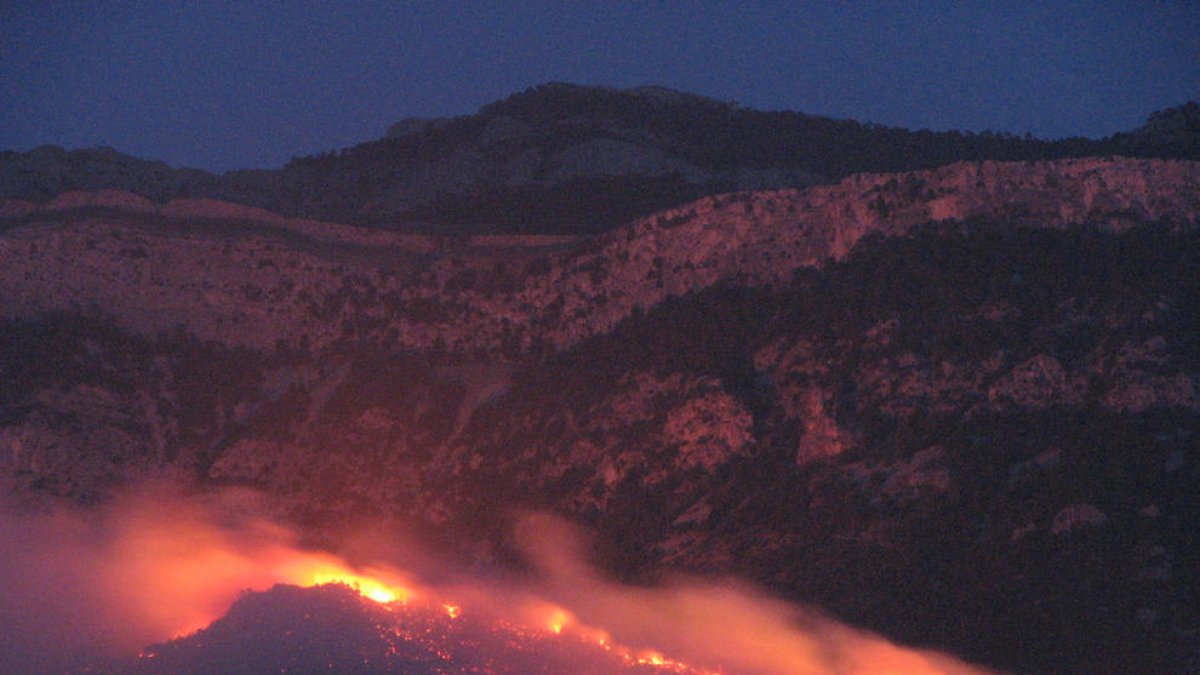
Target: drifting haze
x=88, y=586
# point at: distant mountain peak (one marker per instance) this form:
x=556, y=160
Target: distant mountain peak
x=411, y=126
x=563, y=158
x=1177, y=127
x=564, y=98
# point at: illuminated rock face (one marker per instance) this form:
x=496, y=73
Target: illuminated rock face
x=759, y=384
x=246, y=277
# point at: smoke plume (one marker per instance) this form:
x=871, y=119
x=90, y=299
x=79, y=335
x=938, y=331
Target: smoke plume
x=81, y=586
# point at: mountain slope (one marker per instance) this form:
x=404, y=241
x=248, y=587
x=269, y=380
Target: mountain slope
x=568, y=159
x=252, y=279
x=957, y=406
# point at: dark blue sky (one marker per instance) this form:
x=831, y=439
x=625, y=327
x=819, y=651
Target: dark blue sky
x=223, y=85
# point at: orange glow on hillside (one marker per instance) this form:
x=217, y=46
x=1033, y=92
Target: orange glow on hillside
x=558, y=619
x=318, y=569
x=160, y=568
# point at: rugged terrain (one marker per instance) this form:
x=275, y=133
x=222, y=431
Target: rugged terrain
x=570, y=159
x=957, y=406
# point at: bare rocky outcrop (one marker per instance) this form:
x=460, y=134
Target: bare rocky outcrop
x=1077, y=516
x=113, y=199
x=263, y=280
x=708, y=431
x=1037, y=383
x=823, y=438
x=78, y=441
x=933, y=419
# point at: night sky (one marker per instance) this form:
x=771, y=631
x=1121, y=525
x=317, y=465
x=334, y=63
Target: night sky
x=224, y=85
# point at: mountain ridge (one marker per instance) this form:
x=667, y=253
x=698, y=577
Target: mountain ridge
x=552, y=291
x=568, y=159
x=957, y=406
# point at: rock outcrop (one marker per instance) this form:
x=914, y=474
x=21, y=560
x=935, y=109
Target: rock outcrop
x=956, y=406
x=248, y=277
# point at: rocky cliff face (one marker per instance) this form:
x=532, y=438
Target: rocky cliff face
x=957, y=406
x=246, y=277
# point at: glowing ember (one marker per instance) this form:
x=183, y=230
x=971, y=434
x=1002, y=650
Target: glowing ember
x=371, y=584
x=388, y=586
x=558, y=620
x=367, y=637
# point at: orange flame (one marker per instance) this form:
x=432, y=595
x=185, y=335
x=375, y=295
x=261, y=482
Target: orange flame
x=160, y=568
x=316, y=569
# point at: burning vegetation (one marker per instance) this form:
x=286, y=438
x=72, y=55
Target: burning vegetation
x=211, y=586
x=334, y=627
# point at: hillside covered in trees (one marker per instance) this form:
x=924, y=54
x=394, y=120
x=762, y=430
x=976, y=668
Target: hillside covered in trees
x=563, y=158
